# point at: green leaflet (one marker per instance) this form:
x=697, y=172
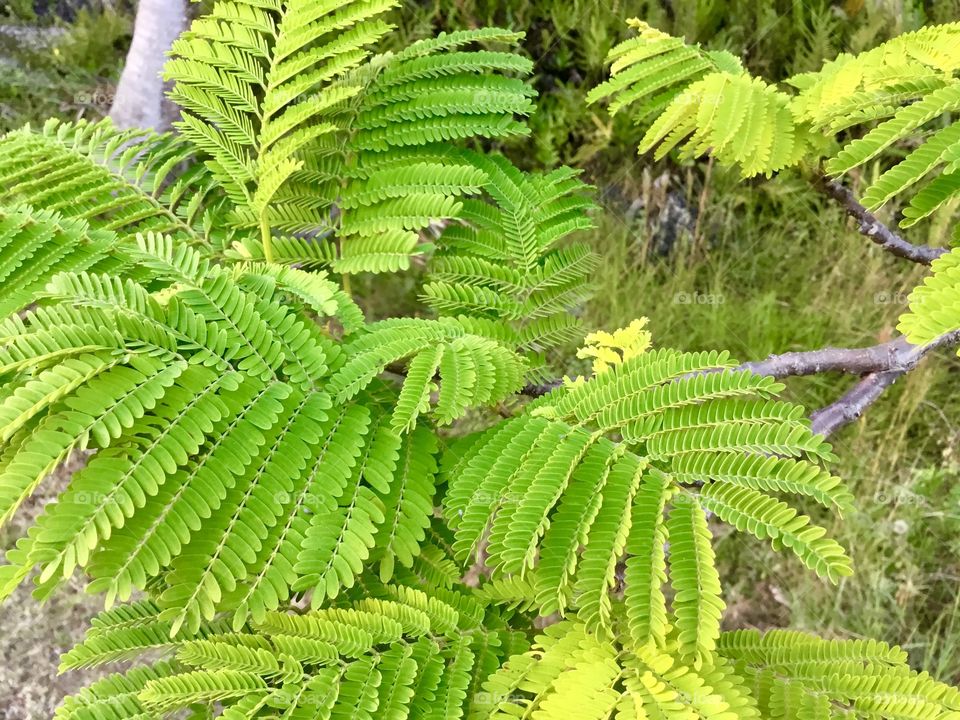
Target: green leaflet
x=34, y=247
x=333, y=553
x=646, y=566
x=124, y=182
x=933, y=309
x=477, y=371
x=606, y=542
x=409, y=504
x=554, y=507
x=697, y=605
x=508, y=260
x=383, y=656
x=699, y=103
x=767, y=517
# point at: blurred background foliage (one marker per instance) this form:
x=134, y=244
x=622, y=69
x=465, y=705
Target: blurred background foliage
x=756, y=268
x=60, y=58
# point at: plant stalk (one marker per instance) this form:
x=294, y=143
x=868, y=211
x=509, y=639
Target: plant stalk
x=266, y=239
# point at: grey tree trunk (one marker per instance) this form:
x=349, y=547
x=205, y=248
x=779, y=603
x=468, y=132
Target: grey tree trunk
x=140, y=100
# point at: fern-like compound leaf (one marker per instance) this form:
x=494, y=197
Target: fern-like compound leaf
x=696, y=602
x=398, y=652
x=508, y=260
x=308, y=132
x=127, y=182
x=565, y=504
x=698, y=102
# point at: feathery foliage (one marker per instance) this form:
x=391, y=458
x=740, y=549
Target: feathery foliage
x=573, y=673
x=705, y=102
x=894, y=104
x=614, y=467
x=237, y=440
x=391, y=652
x=700, y=102
x=271, y=503
x=292, y=128
x=127, y=182
x=396, y=651
x=308, y=132
x=505, y=265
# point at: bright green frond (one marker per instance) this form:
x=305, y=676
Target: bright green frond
x=935, y=305
x=508, y=260
x=646, y=567
x=859, y=678
x=697, y=605
x=396, y=653
x=35, y=245
x=705, y=103
x=408, y=506
x=651, y=67
x=308, y=132
x=568, y=494
x=766, y=517
x=128, y=181
x=472, y=371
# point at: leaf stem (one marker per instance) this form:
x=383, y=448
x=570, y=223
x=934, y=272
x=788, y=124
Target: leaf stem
x=266, y=238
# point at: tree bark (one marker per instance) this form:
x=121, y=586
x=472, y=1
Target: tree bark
x=140, y=101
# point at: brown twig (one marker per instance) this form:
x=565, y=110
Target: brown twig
x=871, y=227
x=853, y=403
x=896, y=354
x=878, y=365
